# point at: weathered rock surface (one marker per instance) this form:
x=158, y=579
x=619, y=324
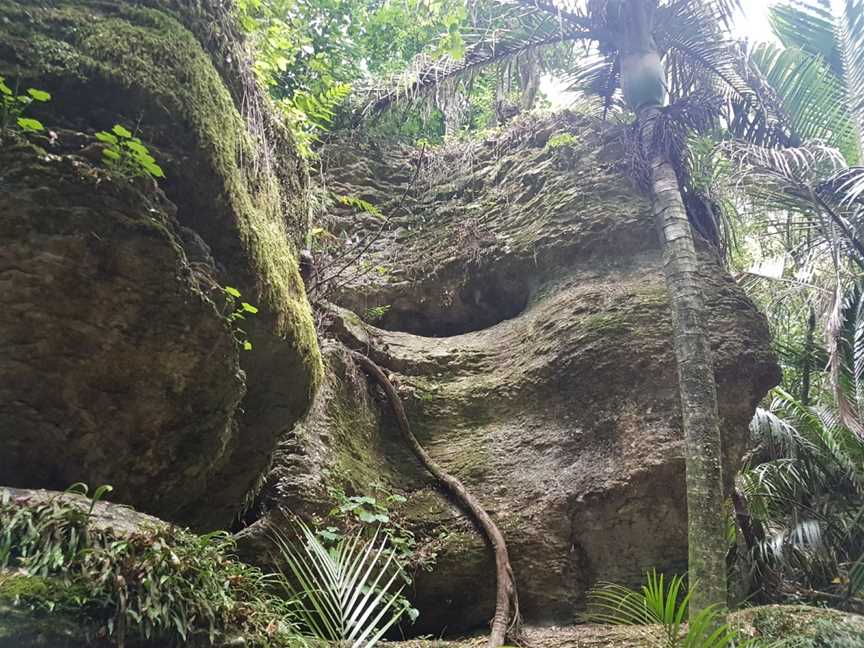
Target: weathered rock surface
x=529, y=331
x=118, y=365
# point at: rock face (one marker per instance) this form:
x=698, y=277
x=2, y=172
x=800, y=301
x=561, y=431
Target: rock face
x=118, y=365
x=529, y=332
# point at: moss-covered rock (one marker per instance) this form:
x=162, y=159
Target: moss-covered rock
x=176, y=72
x=75, y=572
x=529, y=334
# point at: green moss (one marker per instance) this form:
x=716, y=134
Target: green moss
x=39, y=593
x=15, y=588
x=126, y=47
x=806, y=627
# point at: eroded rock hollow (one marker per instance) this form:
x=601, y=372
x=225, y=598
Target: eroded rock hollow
x=519, y=305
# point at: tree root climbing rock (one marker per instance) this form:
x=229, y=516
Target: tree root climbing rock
x=506, y=621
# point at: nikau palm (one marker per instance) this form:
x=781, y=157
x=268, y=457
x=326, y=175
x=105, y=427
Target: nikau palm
x=644, y=82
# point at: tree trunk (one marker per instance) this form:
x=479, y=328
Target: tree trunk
x=529, y=80
x=703, y=456
x=706, y=527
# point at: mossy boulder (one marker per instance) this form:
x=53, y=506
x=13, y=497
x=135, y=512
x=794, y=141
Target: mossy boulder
x=137, y=381
x=529, y=333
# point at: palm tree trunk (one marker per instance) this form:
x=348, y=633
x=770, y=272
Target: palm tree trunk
x=703, y=455
x=643, y=80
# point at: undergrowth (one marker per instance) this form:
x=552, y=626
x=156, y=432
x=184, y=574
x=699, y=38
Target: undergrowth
x=161, y=582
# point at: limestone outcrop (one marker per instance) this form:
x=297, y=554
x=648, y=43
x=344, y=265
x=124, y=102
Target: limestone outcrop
x=515, y=297
x=118, y=364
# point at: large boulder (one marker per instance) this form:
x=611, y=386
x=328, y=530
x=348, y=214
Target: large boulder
x=519, y=306
x=118, y=363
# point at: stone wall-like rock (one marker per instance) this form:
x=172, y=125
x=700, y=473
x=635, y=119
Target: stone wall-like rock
x=530, y=335
x=118, y=366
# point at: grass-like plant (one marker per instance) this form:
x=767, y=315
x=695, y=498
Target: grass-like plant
x=351, y=592
x=662, y=609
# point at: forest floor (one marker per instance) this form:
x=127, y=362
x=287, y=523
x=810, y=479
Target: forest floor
x=582, y=636
x=769, y=622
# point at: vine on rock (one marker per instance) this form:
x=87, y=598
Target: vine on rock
x=506, y=621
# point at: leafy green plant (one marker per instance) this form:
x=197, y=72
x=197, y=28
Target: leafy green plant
x=375, y=513
x=662, y=608
x=375, y=313
x=237, y=311
x=308, y=114
x=125, y=154
x=350, y=592
x=802, y=493
x=160, y=582
x=561, y=140
x=13, y=105
x=360, y=205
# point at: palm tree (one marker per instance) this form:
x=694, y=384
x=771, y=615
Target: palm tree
x=643, y=79
x=653, y=50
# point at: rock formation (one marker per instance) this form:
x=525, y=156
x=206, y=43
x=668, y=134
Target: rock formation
x=118, y=365
x=520, y=308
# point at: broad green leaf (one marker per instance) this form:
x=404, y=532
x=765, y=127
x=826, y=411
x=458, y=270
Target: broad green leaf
x=144, y=158
x=232, y=291
x=102, y=136
x=137, y=147
x=111, y=154
x=39, y=95
x=29, y=124
x=4, y=89
x=121, y=131
x=154, y=169
x=249, y=308
x=247, y=345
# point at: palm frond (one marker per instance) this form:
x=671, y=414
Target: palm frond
x=811, y=95
x=851, y=39
x=808, y=26
x=511, y=30
x=349, y=593
x=660, y=608
x=806, y=180
x=845, y=333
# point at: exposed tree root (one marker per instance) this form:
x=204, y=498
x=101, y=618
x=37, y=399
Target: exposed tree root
x=506, y=621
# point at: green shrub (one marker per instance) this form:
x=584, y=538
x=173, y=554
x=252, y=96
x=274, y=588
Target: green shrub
x=160, y=582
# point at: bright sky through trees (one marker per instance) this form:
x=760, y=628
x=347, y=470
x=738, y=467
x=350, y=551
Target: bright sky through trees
x=752, y=24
